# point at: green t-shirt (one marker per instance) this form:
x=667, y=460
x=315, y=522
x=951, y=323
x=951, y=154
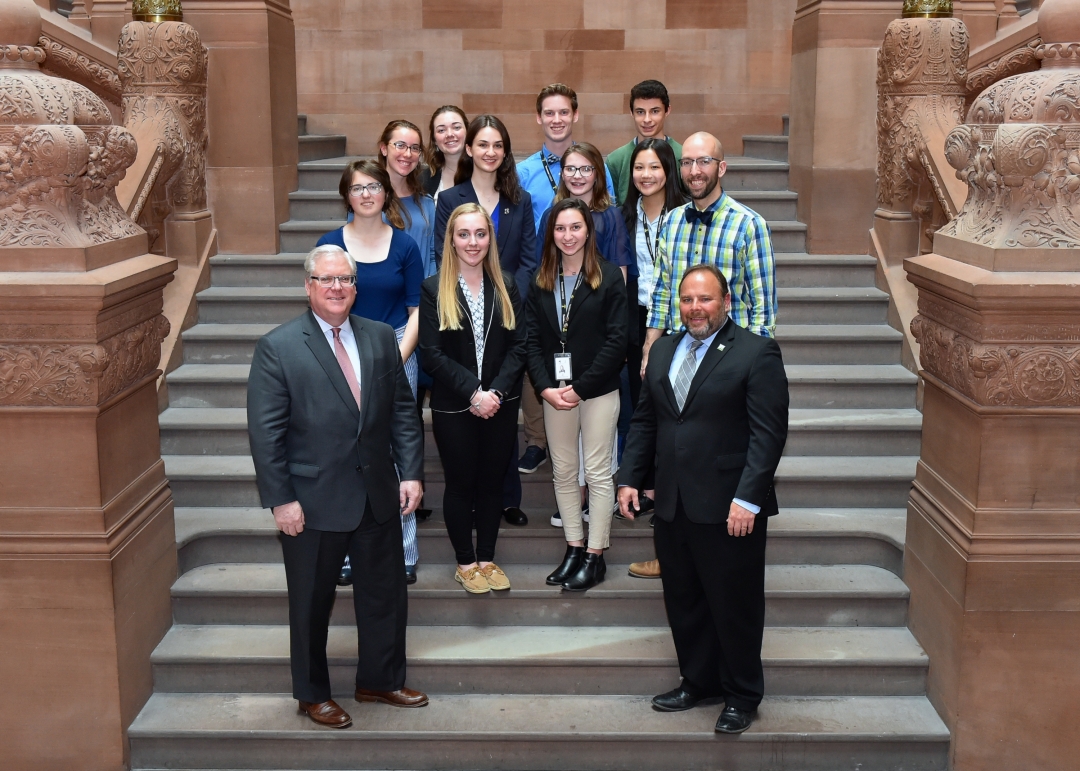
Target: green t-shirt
x=619, y=165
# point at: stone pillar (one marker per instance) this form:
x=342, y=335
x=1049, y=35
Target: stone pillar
x=833, y=145
x=87, y=542
x=993, y=539
x=251, y=101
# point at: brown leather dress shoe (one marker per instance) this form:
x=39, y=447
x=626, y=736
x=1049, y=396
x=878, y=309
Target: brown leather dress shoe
x=650, y=569
x=403, y=697
x=326, y=713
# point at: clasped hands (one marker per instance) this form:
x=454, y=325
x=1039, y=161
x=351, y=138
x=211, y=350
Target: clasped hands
x=561, y=398
x=484, y=404
x=740, y=521
x=289, y=517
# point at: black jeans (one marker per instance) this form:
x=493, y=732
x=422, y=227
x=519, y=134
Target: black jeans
x=714, y=592
x=474, y=454
x=633, y=372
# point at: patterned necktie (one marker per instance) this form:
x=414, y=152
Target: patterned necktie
x=346, y=365
x=686, y=374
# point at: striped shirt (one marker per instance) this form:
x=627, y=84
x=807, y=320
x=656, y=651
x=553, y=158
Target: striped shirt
x=737, y=242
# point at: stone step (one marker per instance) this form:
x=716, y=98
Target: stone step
x=792, y=270
x=799, y=661
x=801, y=343
x=826, y=343
x=773, y=148
x=795, y=595
x=534, y=732
x=801, y=481
x=742, y=173
x=873, y=537
x=303, y=235
x=834, y=386
x=797, y=305
x=314, y=147
x=223, y=431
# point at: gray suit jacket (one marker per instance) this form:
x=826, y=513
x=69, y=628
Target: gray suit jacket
x=309, y=440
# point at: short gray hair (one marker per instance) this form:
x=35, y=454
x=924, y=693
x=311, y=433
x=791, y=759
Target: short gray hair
x=327, y=249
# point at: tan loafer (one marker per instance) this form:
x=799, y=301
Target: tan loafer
x=326, y=713
x=650, y=569
x=402, y=697
x=473, y=580
x=495, y=576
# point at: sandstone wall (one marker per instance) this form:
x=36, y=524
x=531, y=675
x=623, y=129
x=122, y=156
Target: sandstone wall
x=361, y=63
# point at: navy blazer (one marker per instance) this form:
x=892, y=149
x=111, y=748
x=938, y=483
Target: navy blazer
x=516, y=237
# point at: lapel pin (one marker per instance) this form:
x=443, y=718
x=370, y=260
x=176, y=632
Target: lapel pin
x=721, y=346
x=506, y=210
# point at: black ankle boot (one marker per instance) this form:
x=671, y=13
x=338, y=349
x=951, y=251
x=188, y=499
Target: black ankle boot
x=590, y=573
x=570, y=564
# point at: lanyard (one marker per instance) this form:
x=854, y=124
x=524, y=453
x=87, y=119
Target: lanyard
x=566, y=305
x=653, y=247
x=546, y=162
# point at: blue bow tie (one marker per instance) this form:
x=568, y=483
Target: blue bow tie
x=693, y=215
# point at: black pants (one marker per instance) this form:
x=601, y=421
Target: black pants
x=312, y=563
x=714, y=592
x=474, y=453
x=633, y=372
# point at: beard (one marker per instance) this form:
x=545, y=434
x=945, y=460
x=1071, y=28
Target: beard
x=709, y=187
x=705, y=331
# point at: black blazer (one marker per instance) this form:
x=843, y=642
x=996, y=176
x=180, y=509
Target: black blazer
x=516, y=236
x=449, y=355
x=430, y=183
x=309, y=440
x=595, y=339
x=727, y=441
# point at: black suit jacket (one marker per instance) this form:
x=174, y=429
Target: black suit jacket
x=595, y=338
x=450, y=355
x=516, y=236
x=727, y=440
x=309, y=440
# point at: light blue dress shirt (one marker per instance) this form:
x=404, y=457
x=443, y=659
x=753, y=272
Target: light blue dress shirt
x=535, y=180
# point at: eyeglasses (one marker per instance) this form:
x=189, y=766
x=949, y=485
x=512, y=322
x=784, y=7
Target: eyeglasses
x=402, y=147
x=374, y=188
x=703, y=163
x=578, y=171
x=329, y=281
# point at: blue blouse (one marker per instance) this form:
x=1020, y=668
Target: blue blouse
x=420, y=224
x=385, y=289
x=612, y=240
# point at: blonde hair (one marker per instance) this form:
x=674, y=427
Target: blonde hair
x=448, y=306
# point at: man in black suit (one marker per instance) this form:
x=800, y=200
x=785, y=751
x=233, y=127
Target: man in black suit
x=330, y=414
x=712, y=417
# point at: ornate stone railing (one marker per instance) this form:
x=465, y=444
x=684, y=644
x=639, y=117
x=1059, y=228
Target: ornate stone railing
x=73, y=57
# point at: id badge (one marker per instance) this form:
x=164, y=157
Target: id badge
x=563, y=368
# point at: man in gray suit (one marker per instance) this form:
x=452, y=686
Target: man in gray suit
x=330, y=414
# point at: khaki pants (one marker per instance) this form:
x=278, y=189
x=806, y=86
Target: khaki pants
x=595, y=421
x=533, y=416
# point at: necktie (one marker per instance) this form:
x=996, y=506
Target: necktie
x=693, y=215
x=346, y=365
x=686, y=374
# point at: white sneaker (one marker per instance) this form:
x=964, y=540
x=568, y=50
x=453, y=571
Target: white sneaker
x=556, y=519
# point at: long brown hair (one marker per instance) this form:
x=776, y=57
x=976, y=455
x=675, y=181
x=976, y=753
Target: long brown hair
x=600, y=198
x=435, y=159
x=413, y=180
x=391, y=205
x=547, y=275
x=506, y=178
x=448, y=306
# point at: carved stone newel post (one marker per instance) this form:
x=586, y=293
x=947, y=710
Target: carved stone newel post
x=993, y=543
x=87, y=548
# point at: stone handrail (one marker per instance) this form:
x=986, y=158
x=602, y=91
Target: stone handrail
x=71, y=55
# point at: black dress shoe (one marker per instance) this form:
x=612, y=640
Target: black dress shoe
x=345, y=576
x=734, y=721
x=645, y=504
x=589, y=574
x=676, y=700
x=410, y=574
x=422, y=515
x=515, y=516
x=570, y=563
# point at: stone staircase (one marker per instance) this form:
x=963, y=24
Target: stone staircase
x=535, y=679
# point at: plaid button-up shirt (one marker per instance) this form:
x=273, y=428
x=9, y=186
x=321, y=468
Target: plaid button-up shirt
x=737, y=242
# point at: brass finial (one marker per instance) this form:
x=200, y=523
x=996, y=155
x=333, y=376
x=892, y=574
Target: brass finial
x=927, y=9
x=156, y=10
